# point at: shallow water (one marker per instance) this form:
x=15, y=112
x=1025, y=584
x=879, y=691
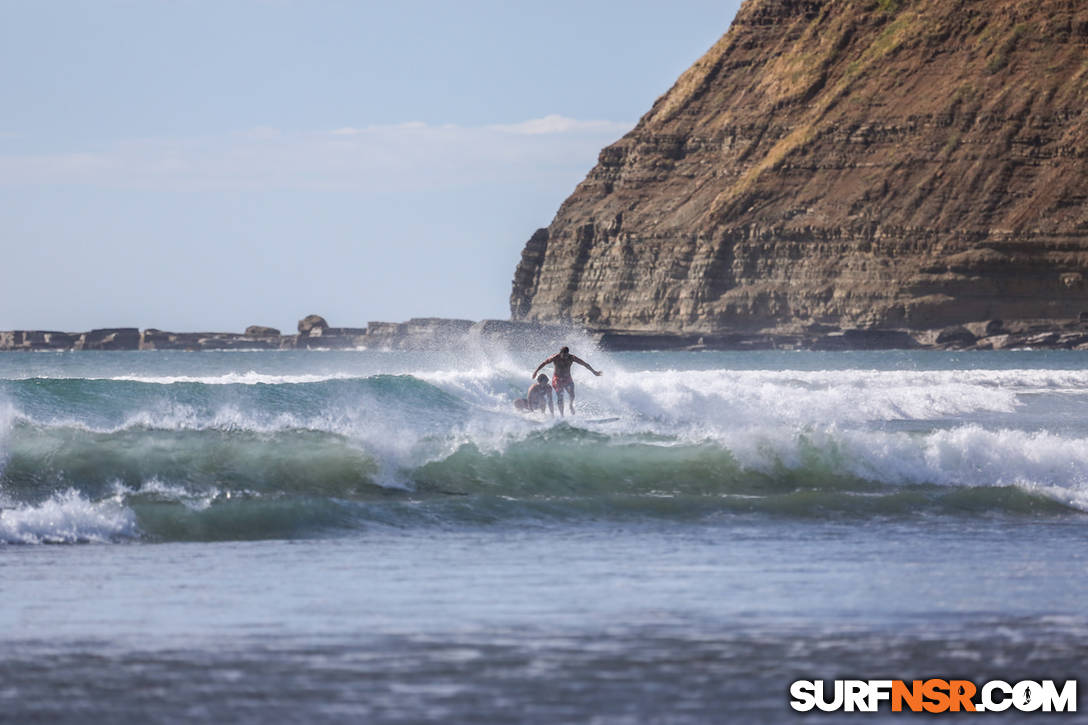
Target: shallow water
x=378, y=537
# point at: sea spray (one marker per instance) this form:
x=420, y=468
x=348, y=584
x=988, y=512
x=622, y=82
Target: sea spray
x=67, y=517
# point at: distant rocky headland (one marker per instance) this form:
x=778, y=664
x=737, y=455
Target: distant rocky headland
x=436, y=333
x=314, y=332
x=850, y=172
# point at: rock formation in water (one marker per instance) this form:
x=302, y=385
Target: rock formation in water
x=836, y=164
x=308, y=324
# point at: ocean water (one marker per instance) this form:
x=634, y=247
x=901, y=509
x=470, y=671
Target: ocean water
x=379, y=537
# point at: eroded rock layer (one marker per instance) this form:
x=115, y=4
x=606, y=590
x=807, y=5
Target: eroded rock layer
x=861, y=164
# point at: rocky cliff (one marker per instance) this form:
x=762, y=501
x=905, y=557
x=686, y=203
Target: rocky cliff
x=843, y=164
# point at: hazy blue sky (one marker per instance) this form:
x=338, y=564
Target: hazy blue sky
x=208, y=165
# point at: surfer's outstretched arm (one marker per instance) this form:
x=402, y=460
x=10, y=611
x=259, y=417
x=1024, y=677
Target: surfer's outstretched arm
x=549, y=361
x=584, y=364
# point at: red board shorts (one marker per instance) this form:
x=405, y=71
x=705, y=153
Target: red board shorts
x=559, y=383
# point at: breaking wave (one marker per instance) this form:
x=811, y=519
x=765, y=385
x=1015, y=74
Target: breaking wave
x=244, y=455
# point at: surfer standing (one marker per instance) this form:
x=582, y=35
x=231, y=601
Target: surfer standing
x=562, y=380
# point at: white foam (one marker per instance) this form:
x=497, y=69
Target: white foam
x=251, y=377
x=195, y=500
x=771, y=419
x=973, y=456
x=748, y=396
x=8, y=416
x=718, y=397
x=67, y=518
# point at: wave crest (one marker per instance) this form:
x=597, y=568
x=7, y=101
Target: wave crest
x=67, y=518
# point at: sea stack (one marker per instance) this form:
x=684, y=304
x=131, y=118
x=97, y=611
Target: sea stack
x=877, y=164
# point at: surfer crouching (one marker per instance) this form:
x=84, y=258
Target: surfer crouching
x=562, y=380
x=539, y=392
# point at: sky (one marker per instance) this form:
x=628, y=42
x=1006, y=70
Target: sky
x=211, y=164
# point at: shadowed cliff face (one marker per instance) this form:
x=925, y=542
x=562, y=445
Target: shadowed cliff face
x=908, y=164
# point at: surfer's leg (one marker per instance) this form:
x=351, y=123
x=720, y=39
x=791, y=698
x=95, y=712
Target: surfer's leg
x=570, y=389
x=559, y=398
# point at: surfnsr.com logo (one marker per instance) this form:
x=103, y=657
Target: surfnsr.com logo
x=933, y=695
